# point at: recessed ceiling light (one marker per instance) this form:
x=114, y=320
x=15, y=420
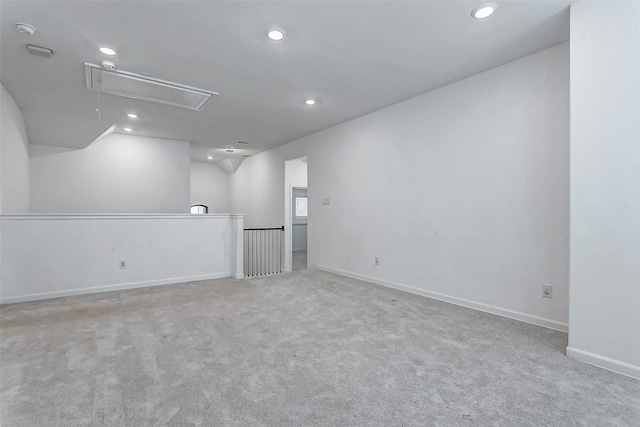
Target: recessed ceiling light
x=275, y=35
x=483, y=11
x=310, y=101
x=210, y=157
x=132, y=115
x=107, y=51
x=128, y=129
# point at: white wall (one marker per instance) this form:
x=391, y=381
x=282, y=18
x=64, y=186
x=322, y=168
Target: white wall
x=461, y=192
x=209, y=187
x=54, y=256
x=605, y=185
x=296, y=172
x=117, y=174
x=257, y=188
x=14, y=158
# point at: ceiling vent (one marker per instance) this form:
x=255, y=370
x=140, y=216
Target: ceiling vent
x=39, y=51
x=136, y=86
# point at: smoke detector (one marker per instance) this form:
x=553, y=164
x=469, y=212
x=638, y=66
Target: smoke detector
x=25, y=28
x=108, y=65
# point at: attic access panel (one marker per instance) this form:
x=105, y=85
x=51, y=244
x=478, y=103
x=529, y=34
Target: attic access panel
x=136, y=86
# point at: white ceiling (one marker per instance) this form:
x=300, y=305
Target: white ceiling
x=353, y=57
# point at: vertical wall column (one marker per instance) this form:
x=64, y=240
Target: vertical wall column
x=604, y=308
x=237, y=237
x=14, y=158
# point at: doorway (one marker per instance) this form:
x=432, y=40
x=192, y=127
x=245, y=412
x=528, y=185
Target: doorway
x=295, y=214
x=299, y=228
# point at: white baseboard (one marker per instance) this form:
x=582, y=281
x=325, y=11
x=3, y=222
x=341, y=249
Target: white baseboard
x=547, y=323
x=109, y=288
x=604, y=362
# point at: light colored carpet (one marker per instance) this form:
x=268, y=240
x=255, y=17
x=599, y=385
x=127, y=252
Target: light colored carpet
x=299, y=349
x=299, y=260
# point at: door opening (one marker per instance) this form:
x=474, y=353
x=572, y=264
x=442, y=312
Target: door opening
x=299, y=229
x=295, y=215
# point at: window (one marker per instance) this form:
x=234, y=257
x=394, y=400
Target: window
x=199, y=209
x=301, y=207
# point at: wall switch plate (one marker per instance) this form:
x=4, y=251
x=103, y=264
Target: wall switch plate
x=122, y=264
x=547, y=291
x=326, y=201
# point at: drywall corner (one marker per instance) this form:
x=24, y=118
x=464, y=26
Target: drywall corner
x=14, y=158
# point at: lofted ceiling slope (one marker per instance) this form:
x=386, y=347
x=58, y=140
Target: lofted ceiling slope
x=352, y=57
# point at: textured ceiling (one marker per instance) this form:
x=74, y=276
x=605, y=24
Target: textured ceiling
x=353, y=57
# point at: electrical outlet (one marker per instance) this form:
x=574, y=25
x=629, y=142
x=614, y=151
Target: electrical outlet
x=547, y=291
x=122, y=264
x=326, y=201
x=376, y=260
